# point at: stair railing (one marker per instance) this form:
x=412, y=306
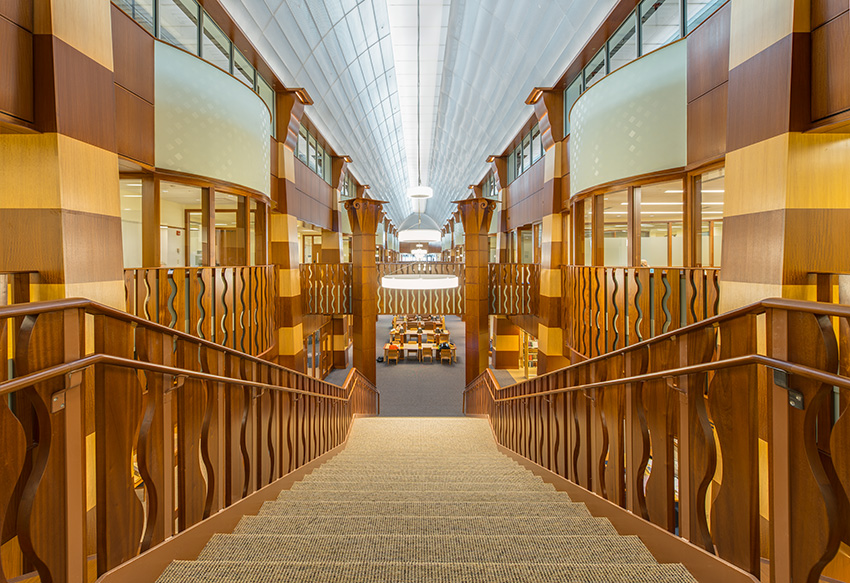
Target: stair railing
x=708, y=432
x=118, y=433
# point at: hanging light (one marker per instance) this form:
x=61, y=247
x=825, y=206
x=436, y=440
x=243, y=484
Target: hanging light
x=419, y=228
x=419, y=192
x=419, y=281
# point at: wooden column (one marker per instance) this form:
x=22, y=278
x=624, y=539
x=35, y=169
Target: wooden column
x=331, y=253
x=364, y=215
x=475, y=213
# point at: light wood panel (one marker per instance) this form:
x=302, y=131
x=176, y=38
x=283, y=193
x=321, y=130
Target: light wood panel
x=757, y=25
x=85, y=25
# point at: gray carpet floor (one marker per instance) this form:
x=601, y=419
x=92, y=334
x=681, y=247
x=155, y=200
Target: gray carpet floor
x=418, y=389
x=406, y=502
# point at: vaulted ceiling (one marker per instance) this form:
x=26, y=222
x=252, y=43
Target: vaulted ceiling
x=478, y=61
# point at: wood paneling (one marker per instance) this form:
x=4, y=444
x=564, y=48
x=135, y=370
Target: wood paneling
x=309, y=197
x=72, y=93
x=16, y=67
x=769, y=93
x=133, y=55
x=134, y=121
x=831, y=67
x=708, y=54
x=825, y=10
x=755, y=26
x=18, y=11
x=753, y=246
x=707, y=126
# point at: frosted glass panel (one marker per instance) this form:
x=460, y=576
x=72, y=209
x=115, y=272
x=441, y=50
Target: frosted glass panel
x=209, y=124
x=632, y=122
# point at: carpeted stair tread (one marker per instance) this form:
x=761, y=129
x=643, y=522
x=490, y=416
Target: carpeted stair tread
x=419, y=572
x=442, y=525
x=431, y=548
x=381, y=486
x=390, y=496
x=332, y=508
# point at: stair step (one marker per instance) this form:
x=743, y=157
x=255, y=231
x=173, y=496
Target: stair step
x=470, y=509
x=448, y=476
x=418, y=572
x=381, y=486
x=501, y=495
x=432, y=548
x=441, y=525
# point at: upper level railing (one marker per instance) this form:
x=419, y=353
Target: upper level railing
x=327, y=289
x=706, y=431
x=231, y=306
x=607, y=308
x=144, y=428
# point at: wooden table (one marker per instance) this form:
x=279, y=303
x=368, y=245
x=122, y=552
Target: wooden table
x=414, y=346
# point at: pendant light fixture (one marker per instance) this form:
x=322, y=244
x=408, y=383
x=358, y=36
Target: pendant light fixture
x=419, y=192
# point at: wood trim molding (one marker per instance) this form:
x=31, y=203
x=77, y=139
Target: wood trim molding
x=638, y=180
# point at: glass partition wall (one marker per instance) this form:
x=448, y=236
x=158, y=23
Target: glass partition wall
x=648, y=224
x=179, y=222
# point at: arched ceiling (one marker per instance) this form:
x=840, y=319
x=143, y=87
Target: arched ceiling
x=479, y=60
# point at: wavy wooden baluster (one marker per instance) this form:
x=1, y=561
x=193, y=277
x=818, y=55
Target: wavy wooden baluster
x=582, y=411
x=242, y=307
x=129, y=291
x=192, y=406
x=815, y=495
x=643, y=297
x=613, y=404
x=660, y=403
x=212, y=431
x=598, y=430
x=840, y=438
x=697, y=450
x=41, y=509
x=612, y=311
x=246, y=425
x=637, y=447
x=14, y=442
x=117, y=416
x=164, y=293
x=598, y=312
x=733, y=406
x=153, y=347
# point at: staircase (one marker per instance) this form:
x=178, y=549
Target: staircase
x=423, y=500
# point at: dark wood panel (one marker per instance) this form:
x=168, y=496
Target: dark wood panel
x=18, y=11
x=273, y=161
x=831, y=67
x=805, y=253
x=91, y=244
x=825, y=10
x=758, y=241
x=133, y=55
x=707, y=126
x=18, y=229
x=769, y=94
x=134, y=126
x=16, y=79
x=708, y=54
x=72, y=92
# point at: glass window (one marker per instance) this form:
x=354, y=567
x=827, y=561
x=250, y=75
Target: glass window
x=570, y=96
x=622, y=47
x=216, y=45
x=228, y=247
x=660, y=23
x=178, y=23
x=328, y=168
x=511, y=167
x=131, y=221
x=179, y=213
x=595, y=69
x=712, y=189
x=311, y=152
x=588, y=231
x=139, y=10
x=696, y=11
x=536, y=144
x=320, y=160
x=253, y=248
x=526, y=152
x=302, y=144
x=242, y=69
x=616, y=235
x=526, y=242
x=661, y=224
x=518, y=160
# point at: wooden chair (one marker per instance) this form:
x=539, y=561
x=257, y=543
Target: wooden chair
x=419, y=351
x=444, y=337
x=445, y=355
x=429, y=326
x=427, y=353
x=398, y=338
x=392, y=355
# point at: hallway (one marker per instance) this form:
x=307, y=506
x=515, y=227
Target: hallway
x=417, y=389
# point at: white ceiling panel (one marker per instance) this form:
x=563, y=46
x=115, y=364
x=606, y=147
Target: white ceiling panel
x=479, y=59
